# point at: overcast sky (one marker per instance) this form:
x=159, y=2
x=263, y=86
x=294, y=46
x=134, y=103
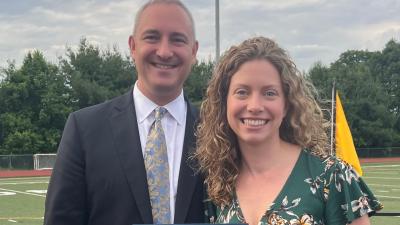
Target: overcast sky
x=311, y=30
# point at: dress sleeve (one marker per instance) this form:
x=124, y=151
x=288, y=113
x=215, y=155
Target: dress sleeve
x=348, y=196
x=210, y=211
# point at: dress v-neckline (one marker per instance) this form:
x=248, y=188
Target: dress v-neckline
x=278, y=197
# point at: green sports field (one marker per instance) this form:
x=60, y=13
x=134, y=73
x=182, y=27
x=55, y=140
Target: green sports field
x=384, y=180
x=22, y=199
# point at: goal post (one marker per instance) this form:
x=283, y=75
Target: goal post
x=44, y=161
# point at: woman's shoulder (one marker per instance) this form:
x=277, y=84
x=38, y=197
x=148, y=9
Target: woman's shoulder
x=320, y=159
x=325, y=163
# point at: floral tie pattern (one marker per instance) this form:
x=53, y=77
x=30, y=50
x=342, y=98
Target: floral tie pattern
x=156, y=162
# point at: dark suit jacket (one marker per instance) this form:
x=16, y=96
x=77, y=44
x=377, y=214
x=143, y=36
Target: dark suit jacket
x=99, y=176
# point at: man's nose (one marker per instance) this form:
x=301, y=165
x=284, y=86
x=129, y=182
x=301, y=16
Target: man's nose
x=164, y=50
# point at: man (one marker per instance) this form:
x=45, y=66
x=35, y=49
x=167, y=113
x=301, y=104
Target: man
x=100, y=176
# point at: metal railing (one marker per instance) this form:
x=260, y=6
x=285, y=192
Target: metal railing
x=12, y=162
x=378, y=152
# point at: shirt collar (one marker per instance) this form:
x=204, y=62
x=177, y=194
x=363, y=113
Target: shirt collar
x=144, y=106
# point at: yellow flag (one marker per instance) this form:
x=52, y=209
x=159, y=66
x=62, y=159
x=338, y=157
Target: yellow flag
x=344, y=142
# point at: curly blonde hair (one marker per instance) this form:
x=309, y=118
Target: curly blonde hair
x=218, y=151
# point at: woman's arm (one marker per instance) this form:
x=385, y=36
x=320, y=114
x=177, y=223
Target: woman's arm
x=364, y=220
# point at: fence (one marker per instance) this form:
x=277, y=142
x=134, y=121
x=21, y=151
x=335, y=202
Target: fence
x=16, y=161
x=27, y=161
x=378, y=152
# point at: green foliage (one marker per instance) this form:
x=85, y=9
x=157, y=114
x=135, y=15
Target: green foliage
x=386, y=66
x=368, y=86
x=95, y=75
x=196, y=84
x=34, y=105
x=36, y=98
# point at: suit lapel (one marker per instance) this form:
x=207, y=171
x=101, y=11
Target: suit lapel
x=187, y=179
x=126, y=135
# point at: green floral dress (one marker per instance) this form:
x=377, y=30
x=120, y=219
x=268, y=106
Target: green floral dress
x=319, y=190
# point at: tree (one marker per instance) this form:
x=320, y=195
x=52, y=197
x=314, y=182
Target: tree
x=95, y=75
x=196, y=83
x=365, y=99
x=386, y=67
x=34, y=105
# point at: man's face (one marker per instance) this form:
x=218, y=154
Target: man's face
x=164, y=50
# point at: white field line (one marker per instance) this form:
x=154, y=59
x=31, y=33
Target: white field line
x=382, y=172
x=382, y=185
x=33, y=182
x=21, y=218
x=384, y=196
x=22, y=192
x=381, y=166
x=383, y=178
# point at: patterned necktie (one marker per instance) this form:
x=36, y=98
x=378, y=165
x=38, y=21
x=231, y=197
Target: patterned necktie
x=156, y=162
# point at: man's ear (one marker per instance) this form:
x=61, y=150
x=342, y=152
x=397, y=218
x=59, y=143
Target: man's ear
x=194, y=52
x=132, y=46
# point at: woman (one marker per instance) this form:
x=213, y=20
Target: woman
x=262, y=145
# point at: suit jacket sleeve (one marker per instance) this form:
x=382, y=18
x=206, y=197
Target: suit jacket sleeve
x=66, y=192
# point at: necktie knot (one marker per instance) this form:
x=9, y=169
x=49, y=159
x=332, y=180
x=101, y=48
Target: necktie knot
x=159, y=113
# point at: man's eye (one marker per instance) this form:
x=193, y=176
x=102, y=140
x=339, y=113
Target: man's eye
x=179, y=40
x=150, y=37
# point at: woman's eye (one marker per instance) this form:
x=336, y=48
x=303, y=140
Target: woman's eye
x=271, y=93
x=241, y=92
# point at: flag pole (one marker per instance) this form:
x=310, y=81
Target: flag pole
x=217, y=31
x=333, y=117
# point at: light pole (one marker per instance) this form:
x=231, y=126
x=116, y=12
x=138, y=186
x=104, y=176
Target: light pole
x=216, y=30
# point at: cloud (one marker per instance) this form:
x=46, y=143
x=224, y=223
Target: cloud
x=311, y=30
x=53, y=15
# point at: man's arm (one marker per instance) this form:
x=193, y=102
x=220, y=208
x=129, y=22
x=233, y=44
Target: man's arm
x=66, y=194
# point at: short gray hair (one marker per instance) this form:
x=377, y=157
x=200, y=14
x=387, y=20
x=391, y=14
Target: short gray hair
x=155, y=2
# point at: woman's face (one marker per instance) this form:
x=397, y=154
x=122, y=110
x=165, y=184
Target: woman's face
x=256, y=102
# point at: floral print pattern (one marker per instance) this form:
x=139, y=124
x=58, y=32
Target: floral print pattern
x=329, y=191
